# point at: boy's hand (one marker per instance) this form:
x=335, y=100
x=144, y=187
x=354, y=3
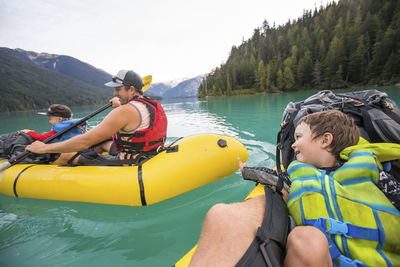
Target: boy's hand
x=241, y=165
x=25, y=130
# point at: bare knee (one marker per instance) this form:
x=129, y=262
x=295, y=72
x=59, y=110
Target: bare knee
x=308, y=246
x=217, y=218
x=243, y=216
x=307, y=235
x=228, y=230
x=217, y=210
x=104, y=147
x=64, y=158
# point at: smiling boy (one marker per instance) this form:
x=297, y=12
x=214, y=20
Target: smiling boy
x=343, y=218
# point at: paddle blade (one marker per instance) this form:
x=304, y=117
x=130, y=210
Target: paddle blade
x=4, y=166
x=146, y=82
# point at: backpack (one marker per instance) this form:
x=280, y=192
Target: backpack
x=377, y=117
x=13, y=144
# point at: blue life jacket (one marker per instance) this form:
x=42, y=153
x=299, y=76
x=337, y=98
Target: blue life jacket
x=58, y=127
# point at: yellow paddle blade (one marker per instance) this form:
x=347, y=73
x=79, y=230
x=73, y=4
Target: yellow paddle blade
x=146, y=82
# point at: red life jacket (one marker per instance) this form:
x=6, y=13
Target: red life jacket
x=147, y=139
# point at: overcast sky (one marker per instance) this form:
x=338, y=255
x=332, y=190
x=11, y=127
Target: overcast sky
x=169, y=39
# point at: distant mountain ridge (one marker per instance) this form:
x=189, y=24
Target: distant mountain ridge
x=67, y=65
x=176, y=88
x=24, y=85
x=31, y=80
x=72, y=67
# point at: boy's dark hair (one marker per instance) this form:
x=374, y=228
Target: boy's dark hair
x=343, y=128
x=58, y=110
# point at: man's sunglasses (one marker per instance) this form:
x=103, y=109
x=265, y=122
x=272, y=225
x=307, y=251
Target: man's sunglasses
x=115, y=78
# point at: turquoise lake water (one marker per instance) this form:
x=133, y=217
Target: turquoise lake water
x=56, y=233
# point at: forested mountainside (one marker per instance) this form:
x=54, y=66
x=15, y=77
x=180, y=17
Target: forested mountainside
x=26, y=86
x=68, y=66
x=352, y=42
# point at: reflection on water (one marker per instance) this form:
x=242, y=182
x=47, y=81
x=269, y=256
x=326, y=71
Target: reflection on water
x=47, y=233
x=189, y=118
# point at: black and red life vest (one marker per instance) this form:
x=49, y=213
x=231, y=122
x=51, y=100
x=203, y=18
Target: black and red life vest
x=148, y=139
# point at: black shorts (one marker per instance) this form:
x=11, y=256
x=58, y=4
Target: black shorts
x=268, y=247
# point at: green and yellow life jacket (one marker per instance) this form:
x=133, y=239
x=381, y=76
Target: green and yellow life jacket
x=361, y=224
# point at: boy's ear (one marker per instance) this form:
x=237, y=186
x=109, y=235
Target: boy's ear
x=326, y=140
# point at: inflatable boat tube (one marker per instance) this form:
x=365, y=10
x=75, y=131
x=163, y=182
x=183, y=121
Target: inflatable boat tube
x=188, y=164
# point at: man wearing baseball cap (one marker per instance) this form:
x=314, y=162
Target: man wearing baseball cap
x=137, y=124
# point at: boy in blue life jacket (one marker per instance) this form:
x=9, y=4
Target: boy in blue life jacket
x=343, y=218
x=337, y=202
x=13, y=144
x=60, y=117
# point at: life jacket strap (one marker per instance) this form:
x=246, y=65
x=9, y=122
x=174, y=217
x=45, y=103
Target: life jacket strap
x=346, y=229
x=347, y=262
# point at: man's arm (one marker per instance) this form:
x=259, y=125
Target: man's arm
x=117, y=119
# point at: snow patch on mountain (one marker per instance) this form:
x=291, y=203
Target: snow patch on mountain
x=185, y=87
x=175, y=82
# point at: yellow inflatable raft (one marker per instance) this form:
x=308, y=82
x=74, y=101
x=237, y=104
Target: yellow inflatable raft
x=188, y=164
x=185, y=260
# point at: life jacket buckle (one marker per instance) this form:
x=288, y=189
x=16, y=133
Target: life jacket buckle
x=338, y=227
x=347, y=262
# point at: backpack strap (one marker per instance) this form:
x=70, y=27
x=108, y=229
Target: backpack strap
x=369, y=127
x=269, y=246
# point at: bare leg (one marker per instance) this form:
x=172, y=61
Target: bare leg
x=228, y=231
x=104, y=147
x=64, y=158
x=307, y=246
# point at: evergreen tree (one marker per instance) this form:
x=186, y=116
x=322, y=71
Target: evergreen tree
x=321, y=50
x=280, y=81
x=358, y=61
x=228, y=85
x=261, y=76
x=391, y=69
x=219, y=83
x=269, y=83
x=288, y=77
x=317, y=73
x=335, y=59
x=304, y=69
x=306, y=40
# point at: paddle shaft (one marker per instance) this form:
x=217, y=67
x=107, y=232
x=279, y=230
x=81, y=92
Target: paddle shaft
x=3, y=166
x=57, y=135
